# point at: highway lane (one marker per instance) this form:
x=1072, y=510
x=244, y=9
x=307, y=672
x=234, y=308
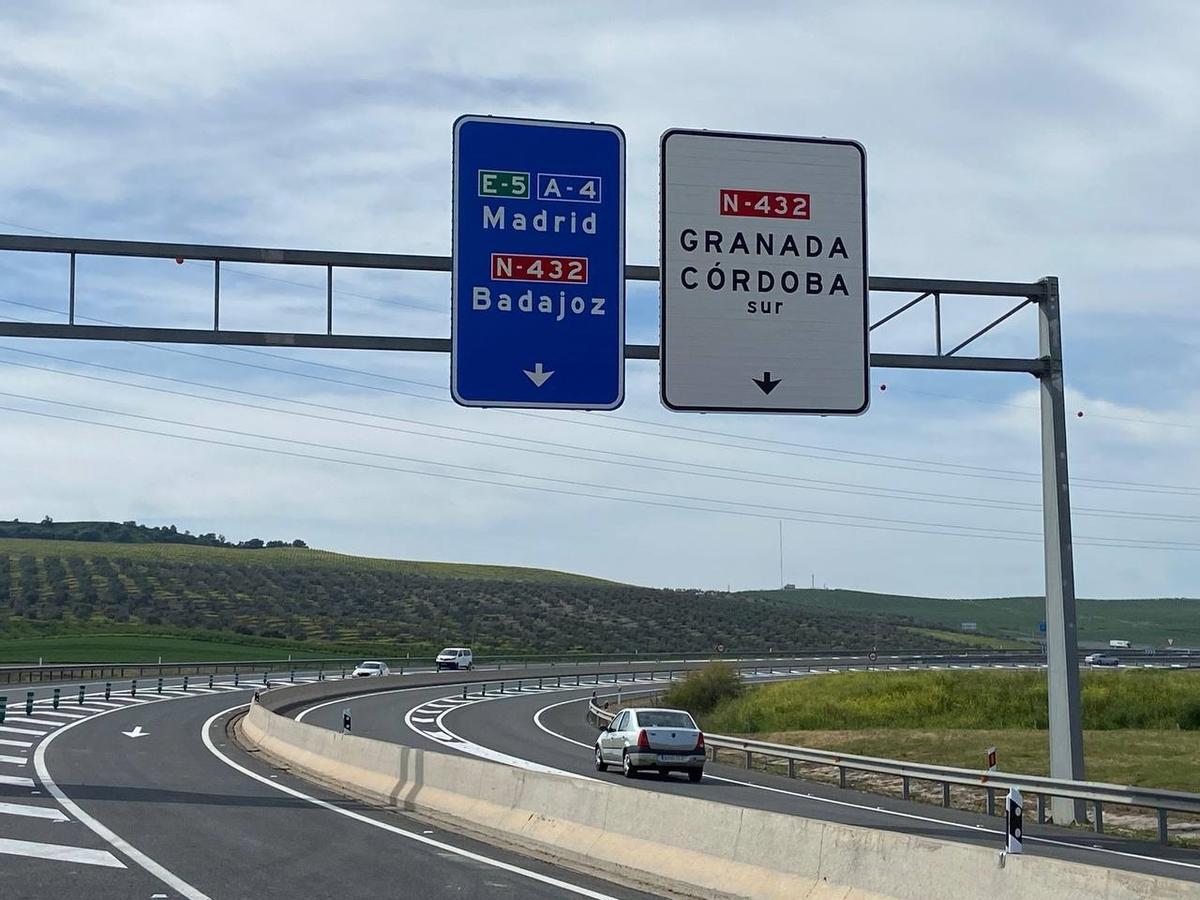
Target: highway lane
x=505, y=729
x=213, y=829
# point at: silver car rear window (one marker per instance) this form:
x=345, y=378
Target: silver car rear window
x=654, y=719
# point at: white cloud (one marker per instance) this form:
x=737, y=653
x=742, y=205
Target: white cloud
x=1005, y=141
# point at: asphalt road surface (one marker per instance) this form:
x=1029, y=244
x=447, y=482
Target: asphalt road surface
x=149, y=798
x=547, y=730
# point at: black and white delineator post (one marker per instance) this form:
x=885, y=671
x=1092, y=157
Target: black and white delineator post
x=1014, y=815
x=346, y=720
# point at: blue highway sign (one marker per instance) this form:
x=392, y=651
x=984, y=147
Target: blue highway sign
x=538, y=281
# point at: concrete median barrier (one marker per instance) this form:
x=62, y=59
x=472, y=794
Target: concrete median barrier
x=686, y=844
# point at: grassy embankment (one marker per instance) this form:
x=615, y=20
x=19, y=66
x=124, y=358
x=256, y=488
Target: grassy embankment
x=1141, y=726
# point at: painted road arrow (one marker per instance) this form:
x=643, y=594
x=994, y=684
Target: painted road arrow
x=538, y=376
x=766, y=383
x=136, y=733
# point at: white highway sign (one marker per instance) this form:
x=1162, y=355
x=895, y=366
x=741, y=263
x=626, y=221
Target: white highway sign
x=764, y=274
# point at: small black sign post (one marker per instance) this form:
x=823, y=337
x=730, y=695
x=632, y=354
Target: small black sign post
x=1014, y=814
x=346, y=720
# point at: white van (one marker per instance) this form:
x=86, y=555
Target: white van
x=455, y=658
x=1119, y=645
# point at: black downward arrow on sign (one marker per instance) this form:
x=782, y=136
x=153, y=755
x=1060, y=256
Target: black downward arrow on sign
x=767, y=383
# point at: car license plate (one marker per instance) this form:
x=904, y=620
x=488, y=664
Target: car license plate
x=672, y=757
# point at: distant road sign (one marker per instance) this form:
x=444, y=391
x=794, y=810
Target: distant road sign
x=1042, y=626
x=538, y=281
x=764, y=274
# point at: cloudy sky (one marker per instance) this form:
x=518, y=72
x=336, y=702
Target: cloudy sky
x=1005, y=141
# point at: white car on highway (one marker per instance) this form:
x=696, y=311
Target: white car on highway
x=371, y=669
x=455, y=658
x=665, y=740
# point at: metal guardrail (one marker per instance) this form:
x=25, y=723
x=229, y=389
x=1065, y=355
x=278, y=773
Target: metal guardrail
x=1096, y=793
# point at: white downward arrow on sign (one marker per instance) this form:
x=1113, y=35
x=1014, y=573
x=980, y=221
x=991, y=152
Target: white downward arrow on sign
x=136, y=733
x=539, y=376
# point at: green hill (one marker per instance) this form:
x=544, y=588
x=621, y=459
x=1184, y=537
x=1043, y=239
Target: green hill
x=1142, y=621
x=299, y=599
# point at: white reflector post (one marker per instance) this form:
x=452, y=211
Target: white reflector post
x=1013, y=820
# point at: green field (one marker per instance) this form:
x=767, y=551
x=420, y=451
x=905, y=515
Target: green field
x=978, y=641
x=1167, y=759
x=150, y=647
x=1148, y=621
x=1142, y=726
x=966, y=699
x=284, y=557
x=66, y=596
x=300, y=600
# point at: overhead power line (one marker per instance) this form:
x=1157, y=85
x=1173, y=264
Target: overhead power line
x=925, y=466
x=541, y=447
x=871, y=523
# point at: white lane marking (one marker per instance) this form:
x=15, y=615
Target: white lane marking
x=61, y=853
x=979, y=829
x=419, y=838
x=300, y=716
x=33, y=812
x=60, y=712
x=180, y=886
x=29, y=720
x=17, y=781
x=13, y=760
x=11, y=729
x=5, y=742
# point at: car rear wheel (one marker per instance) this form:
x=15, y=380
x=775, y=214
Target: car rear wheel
x=627, y=768
x=695, y=775
x=601, y=765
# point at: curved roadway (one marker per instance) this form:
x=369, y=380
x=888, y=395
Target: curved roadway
x=547, y=729
x=150, y=798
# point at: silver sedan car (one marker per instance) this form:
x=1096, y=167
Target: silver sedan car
x=664, y=740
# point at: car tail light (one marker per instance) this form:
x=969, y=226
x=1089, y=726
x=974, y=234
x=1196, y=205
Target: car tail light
x=643, y=740
x=700, y=742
